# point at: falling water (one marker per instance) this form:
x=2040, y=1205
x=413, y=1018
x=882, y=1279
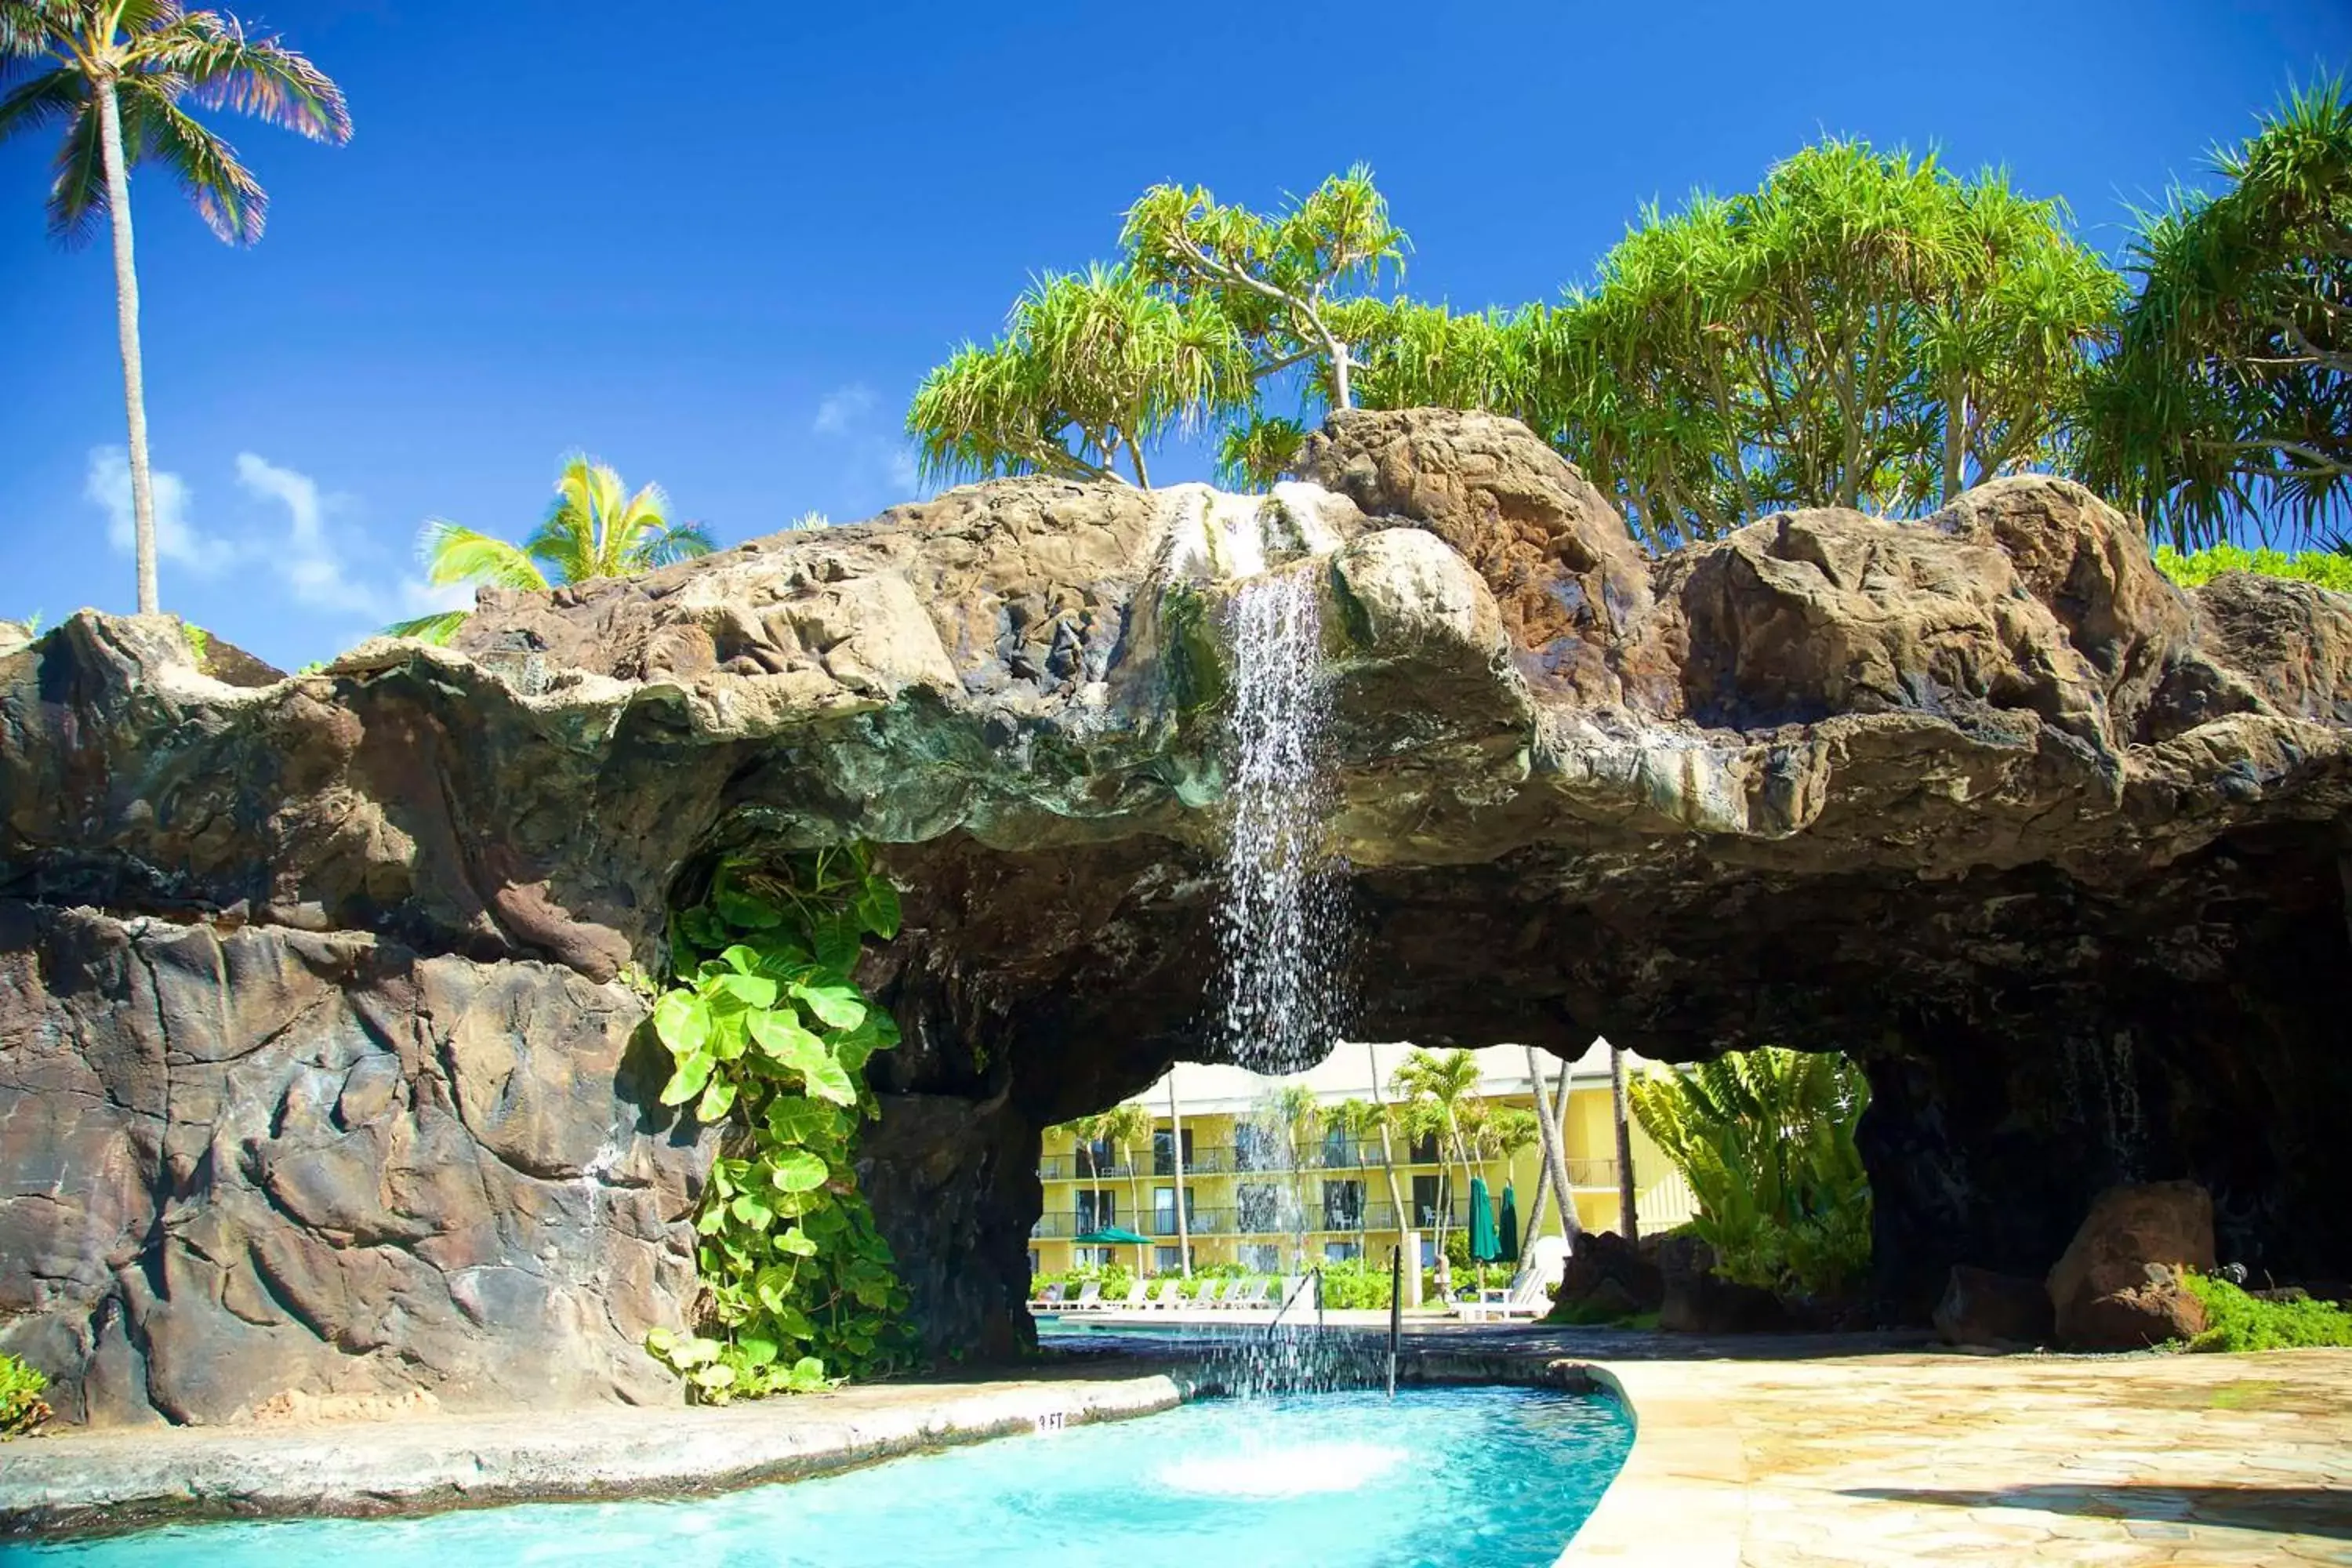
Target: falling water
x=1282, y=930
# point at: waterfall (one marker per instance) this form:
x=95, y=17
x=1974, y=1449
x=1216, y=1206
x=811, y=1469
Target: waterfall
x=1282, y=932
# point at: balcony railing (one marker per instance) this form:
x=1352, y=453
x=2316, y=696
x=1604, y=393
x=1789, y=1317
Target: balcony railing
x=1222, y=1159
x=1210, y=1222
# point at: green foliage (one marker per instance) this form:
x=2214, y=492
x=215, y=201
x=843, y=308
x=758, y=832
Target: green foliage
x=200, y=641
x=1865, y=330
x=2235, y=1321
x=22, y=1409
x=2228, y=397
x=768, y=1033
x=1208, y=306
x=1092, y=365
x=1355, y=1283
x=1766, y=1140
x=161, y=60
x=594, y=528
x=2328, y=568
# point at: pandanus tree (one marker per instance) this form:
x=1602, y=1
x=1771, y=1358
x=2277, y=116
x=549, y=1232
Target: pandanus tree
x=1865, y=330
x=2227, y=398
x=120, y=76
x=1210, y=305
x=594, y=528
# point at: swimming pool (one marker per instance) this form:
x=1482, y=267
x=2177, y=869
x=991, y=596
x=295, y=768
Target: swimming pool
x=1449, y=1477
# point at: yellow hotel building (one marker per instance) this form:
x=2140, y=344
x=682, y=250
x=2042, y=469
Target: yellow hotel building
x=1239, y=1188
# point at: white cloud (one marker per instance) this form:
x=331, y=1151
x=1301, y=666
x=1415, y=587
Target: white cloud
x=843, y=409
x=107, y=484
x=873, y=460
x=314, y=561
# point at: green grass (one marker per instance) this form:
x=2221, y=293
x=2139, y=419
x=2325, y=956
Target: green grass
x=2324, y=567
x=2237, y=1321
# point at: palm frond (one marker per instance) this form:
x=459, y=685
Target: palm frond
x=221, y=67
x=454, y=553
x=226, y=196
x=77, y=201
x=49, y=98
x=437, y=630
x=667, y=545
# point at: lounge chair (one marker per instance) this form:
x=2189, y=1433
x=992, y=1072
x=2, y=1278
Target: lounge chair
x=1090, y=1297
x=1170, y=1296
x=1527, y=1295
x=1246, y=1293
x=1051, y=1296
x=1135, y=1295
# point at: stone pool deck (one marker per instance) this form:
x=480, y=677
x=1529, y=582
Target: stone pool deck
x=1783, y=1451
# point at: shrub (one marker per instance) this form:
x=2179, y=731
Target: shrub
x=2324, y=567
x=2237, y=1321
x=22, y=1409
x=1356, y=1284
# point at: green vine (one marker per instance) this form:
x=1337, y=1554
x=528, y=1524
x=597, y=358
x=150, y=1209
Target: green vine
x=768, y=1035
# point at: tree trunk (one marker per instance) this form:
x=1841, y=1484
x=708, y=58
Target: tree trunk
x=1543, y=1169
x=1956, y=444
x=1176, y=1160
x=126, y=312
x=1388, y=1151
x=1555, y=1159
x=1629, y=1223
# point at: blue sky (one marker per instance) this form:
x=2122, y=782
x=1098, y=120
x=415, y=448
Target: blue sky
x=719, y=252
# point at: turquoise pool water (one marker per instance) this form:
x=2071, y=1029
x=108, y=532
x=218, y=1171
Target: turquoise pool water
x=1449, y=1477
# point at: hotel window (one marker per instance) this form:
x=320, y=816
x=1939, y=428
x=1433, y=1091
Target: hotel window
x=1262, y=1257
x=1168, y=1259
x=1163, y=1210
x=1424, y=1149
x=1163, y=1153
x=1097, y=1209
x=1253, y=1149
x=1338, y=1149
x=1428, y=1194
x=1258, y=1207
x=1097, y=1158
x=1343, y=1205
x=1095, y=1257
x=1342, y=1251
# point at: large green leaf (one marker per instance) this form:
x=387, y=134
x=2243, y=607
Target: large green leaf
x=688, y=1081
x=839, y=1006
x=682, y=1022
x=799, y=1172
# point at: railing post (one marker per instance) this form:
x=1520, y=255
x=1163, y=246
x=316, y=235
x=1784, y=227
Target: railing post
x=1396, y=1311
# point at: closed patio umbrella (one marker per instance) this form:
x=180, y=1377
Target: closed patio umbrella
x=1485, y=1247
x=1510, y=1241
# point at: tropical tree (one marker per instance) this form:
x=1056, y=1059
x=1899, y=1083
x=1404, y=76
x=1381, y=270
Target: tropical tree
x=1767, y=1141
x=594, y=528
x=1126, y=1127
x=1093, y=367
x=1274, y=276
x=1360, y=1121
x=2228, y=397
x=1629, y=1222
x=1865, y=329
x=1437, y=1090
x=120, y=76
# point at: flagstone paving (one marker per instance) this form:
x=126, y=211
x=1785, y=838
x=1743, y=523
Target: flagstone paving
x=1942, y=1459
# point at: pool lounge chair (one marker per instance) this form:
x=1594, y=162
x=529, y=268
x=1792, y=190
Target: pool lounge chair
x=1134, y=1300
x=1525, y=1296
x=1089, y=1299
x=1246, y=1293
x=1051, y=1298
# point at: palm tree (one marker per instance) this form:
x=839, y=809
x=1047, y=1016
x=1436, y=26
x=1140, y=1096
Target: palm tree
x=1123, y=1127
x=121, y=73
x=1435, y=1089
x=1362, y=1120
x=594, y=528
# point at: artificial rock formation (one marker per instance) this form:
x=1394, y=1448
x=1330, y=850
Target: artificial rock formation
x=2055, y=850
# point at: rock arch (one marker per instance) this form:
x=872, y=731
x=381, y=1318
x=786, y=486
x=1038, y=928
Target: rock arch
x=313, y=990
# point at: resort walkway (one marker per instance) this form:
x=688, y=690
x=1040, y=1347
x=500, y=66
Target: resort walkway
x=1891, y=1459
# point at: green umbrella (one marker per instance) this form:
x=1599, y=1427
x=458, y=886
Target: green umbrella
x=1510, y=1237
x=1118, y=1235
x=1484, y=1246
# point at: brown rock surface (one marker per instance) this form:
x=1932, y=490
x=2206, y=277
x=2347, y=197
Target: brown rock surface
x=1983, y=1308
x=2054, y=849
x=2117, y=1287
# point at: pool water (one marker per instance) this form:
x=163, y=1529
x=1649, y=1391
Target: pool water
x=1447, y=1477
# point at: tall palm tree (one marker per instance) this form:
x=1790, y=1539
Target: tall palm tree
x=594, y=528
x=1437, y=1087
x=119, y=77
x=1124, y=1126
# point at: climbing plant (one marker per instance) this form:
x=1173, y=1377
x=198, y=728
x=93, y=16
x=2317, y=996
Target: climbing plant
x=768, y=1033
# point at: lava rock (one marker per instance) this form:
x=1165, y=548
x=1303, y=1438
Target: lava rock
x=1695, y=1300
x=2118, y=1287
x=1605, y=1261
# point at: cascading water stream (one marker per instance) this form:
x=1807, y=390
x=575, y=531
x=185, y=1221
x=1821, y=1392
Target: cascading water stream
x=1282, y=933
